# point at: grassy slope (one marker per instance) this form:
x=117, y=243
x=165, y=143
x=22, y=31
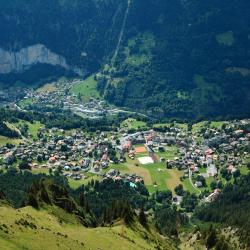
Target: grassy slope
x=4, y=140
x=32, y=127
x=78, y=183
x=24, y=103
x=86, y=88
x=47, y=88
x=57, y=230
x=226, y=38
x=132, y=124
x=145, y=42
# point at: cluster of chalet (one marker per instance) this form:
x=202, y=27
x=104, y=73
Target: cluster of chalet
x=53, y=96
x=74, y=154
x=77, y=153
x=132, y=179
x=211, y=149
x=219, y=149
x=61, y=97
x=8, y=98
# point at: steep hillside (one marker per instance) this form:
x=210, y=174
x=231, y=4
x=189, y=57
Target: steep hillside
x=27, y=228
x=55, y=216
x=185, y=59
x=74, y=35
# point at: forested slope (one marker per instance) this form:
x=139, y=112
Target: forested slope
x=184, y=59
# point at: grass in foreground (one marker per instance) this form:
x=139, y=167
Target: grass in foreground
x=52, y=228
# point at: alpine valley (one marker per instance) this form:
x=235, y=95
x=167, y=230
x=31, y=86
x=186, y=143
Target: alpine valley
x=125, y=124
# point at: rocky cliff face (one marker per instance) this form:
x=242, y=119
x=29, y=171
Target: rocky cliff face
x=85, y=33
x=18, y=62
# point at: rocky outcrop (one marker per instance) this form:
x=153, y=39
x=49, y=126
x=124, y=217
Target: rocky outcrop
x=18, y=62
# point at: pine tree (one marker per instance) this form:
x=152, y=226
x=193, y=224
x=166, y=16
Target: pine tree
x=212, y=238
x=142, y=217
x=82, y=200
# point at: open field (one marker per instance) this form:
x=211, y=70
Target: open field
x=137, y=60
x=4, y=140
x=40, y=171
x=156, y=176
x=76, y=184
x=195, y=128
x=226, y=38
x=121, y=167
x=86, y=89
x=25, y=102
x=132, y=124
x=132, y=167
x=217, y=124
x=33, y=128
x=174, y=179
x=159, y=176
x=169, y=154
x=188, y=186
x=214, y=124
x=244, y=170
x=143, y=172
x=198, y=126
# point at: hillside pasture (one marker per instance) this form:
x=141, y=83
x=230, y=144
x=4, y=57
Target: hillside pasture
x=86, y=89
x=132, y=124
x=4, y=140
